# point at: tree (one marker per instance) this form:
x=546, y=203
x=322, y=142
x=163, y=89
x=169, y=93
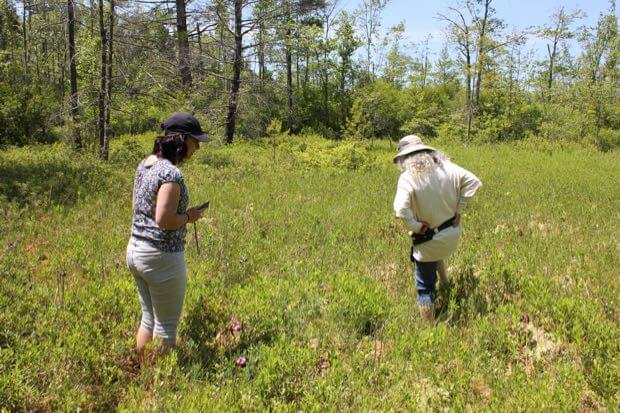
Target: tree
x=106, y=129
x=183, y=44
x=600, y=72
x=236, y=79
x=369, y=18
x=73, y=74
x=557, y=33
x=398, y=65
x=476, y=37
x=347, y=43
x=446, y=71
x=459, y=33
x=103, y=40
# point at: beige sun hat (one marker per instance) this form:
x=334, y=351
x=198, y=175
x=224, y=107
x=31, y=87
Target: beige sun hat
x=410, y=144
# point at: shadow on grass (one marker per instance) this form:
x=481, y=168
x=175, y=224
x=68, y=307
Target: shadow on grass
x=471, y=294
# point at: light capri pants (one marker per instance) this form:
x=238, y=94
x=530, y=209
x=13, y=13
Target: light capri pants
x=161, y=280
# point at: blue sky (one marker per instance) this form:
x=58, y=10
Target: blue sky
x=419, y=16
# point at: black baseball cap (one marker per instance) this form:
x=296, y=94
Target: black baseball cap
x=185, y=123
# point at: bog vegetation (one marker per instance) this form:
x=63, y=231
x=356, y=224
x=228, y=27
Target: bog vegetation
x=300, y=266
x=303, y=270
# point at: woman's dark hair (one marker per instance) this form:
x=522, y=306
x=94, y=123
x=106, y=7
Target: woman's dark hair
x=171, y=147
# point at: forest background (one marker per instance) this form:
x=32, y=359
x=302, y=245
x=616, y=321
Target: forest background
x=85, y=72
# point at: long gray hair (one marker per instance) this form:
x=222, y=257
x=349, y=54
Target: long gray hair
x=420, y=164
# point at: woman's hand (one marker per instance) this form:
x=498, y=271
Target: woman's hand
x=194, y=214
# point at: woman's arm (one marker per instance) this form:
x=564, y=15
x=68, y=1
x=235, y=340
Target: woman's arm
x=167, y=205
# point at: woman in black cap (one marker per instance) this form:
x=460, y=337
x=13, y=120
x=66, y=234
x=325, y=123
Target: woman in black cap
x=155, y=253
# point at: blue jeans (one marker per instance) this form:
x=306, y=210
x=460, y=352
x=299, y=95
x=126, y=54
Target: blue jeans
x=425, y=281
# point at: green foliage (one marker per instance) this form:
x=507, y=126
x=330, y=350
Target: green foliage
x=375, y=112
x=47, y=175
x=358, y=124
x=25, y=108
x=130, y=149
x=424, y=110
x=607, y=139
x=139, y=115
x=310, y=261
x=312, y=151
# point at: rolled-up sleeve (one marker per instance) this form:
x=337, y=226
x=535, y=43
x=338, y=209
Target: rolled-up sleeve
x=402, y=204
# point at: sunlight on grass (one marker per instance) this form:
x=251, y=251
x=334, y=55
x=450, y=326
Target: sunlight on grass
x=304, y=272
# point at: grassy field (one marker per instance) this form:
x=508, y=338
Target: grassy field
x=301, y=247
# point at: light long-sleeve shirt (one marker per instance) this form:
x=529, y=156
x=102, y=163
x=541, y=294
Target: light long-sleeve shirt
x=434, y=200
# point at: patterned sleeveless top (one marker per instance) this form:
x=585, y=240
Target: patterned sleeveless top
x=147, y=182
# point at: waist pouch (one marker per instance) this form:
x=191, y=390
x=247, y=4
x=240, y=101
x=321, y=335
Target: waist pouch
x=418, y=239
x=430, y=233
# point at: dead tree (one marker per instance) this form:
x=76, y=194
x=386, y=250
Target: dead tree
x=73, y=74
x=236, y=79
x=183, y=44
x=103, y=38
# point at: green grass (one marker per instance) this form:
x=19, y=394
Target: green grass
x=300, y=245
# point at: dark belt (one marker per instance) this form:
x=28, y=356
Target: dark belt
x=430, y=233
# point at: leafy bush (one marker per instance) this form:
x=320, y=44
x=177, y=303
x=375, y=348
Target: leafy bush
x=128, y=150
x=607, y=139
x=318, y=153
x=50, y=174
x=26, y=109
x=375, y=112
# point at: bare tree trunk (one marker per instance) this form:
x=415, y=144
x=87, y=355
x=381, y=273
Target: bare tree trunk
x=223, y=55
x=468, y=80
x=297, y=68
x=63, y=67
x=102, y=79
x=26, y=7
x=553, y=51
x=289, y=66
x=481, y=50
x=261, y=55
x=106, y=130
x=236, y=81
x=425, y=69
x=199, y=38
x=73, y=74
x=289, y=81
x=183, y=44
x=306, y=74
x=551, y=62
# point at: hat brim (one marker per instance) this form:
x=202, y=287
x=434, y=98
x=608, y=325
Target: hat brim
x=201, y=138
x=412, y=149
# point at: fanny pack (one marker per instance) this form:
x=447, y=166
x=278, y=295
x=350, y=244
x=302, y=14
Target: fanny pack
x=418, y=239
x=430, y=233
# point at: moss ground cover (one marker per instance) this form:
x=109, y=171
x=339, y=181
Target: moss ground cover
x=303, y=270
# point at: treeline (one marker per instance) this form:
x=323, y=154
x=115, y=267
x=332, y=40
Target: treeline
x=93, y=69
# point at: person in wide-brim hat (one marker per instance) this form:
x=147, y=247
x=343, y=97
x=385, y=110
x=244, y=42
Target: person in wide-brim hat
x=430, y=196
x=410, y=144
